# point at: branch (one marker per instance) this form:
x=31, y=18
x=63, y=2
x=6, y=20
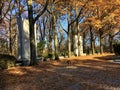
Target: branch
x=62, y=27
x=40, y=13
x=49, y=11
x=116, y=33
x=6, y=11
x=80, y=12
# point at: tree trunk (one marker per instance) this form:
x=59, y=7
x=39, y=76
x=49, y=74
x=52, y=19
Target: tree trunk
x=101, y=43
x=69, y=45
x=56, y=45
x=69, y=35
x=78, y=33
x=110, y=43
x=10, y=37
x=55, y=38
x=72, y=36
x=83, y=42
x=50, y=42
x=92, y=45
x=32, y=36
x=92, y=41
x=50, y=35
x=79, y=44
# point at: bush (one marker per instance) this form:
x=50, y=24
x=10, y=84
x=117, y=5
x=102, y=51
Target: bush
x=7, y=61
x=116, y=47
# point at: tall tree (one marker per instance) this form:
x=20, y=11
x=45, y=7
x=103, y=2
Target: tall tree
x=32, y=21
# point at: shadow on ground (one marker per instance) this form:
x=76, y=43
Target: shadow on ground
x=75, y=74
x=108, y=57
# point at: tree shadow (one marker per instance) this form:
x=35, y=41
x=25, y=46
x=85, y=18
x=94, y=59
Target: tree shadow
x=108, y=57
x=75, y=75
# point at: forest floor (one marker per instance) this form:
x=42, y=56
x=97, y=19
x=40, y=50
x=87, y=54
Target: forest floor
x=95, y=72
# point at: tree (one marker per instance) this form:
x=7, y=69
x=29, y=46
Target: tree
x=72, y=18
x=100, y=18
x=32, y=21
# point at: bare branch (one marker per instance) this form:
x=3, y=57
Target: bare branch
x=80, y=12
x=62, y=27
x=40, y=13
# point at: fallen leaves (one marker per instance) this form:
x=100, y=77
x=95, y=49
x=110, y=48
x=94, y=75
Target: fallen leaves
x=95, y=72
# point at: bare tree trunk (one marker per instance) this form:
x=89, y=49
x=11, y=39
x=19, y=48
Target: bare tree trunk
x=92, y=41
x=55, y=38
x=111, y=43
x=56, y=45
x=31, y=29
x=10, y=37
x=69, y=45
x=78, y=33
x=101, y=42
x=69, y=39
x=101, y=45
x=83, y=42
x=72, y=36
x=50, y=36
x=32, y=36
x=79, y=45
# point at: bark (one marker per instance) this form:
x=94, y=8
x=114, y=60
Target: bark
x=72, y=36
x=10, y=37
x=101, y=41
x=69, y=39
x=50, y=36
x=111, y=43
x=79, y=45
x=32, y=36
x=31, y=29
x=92, y=41
x=78, y=38
x=78, y=35
x=69, y=45
x=83, y=42
x=55, y=38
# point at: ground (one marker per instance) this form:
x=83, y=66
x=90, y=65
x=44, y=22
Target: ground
x=95, y=72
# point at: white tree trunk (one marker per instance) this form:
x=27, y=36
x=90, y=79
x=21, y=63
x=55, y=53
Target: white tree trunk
x=24, y=40
x=76, y=48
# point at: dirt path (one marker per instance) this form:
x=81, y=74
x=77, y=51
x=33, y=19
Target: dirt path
x=76, y=73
